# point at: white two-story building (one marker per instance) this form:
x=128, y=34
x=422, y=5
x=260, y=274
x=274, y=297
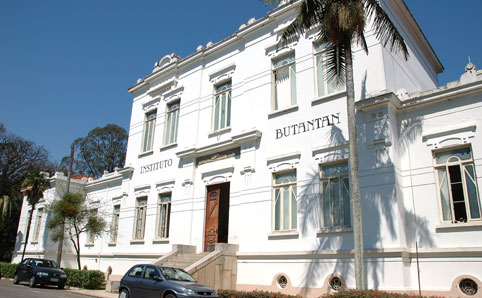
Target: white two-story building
x=239, y=153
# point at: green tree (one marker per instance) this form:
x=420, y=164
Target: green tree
x=17, y=157
x=340, y=24
x=104, y=148
x=71, y=217
x=34, y=185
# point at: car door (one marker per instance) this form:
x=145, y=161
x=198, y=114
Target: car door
x=149, y=285
x=23, y=269
x=132, y=280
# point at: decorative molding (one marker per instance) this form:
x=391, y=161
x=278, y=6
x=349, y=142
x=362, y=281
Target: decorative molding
x=166, y=61
x=165, y=186
x=162, y=87
x=452, y=136
x=223, y=74
x=173, y=95
x=151, y=104
x=330, y=153
x=142, y=190
x=284, y=162
x=218, y=175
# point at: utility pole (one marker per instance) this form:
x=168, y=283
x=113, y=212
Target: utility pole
x=69, y=173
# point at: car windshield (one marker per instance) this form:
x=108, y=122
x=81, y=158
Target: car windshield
x=171, y=273
x=45, y=263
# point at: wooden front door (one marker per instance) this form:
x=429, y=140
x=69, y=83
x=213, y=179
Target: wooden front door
x=217, y=215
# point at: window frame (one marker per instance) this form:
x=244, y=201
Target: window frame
x=337, y=88
x=168, y=137
x=292, y=81
x=140, y=218
x=114, y=228
x=332, y=201
x=227, y=109
x=38, y=224
x=292, y=189
x=162, y=232
x=90, y=237
x=147, y=142
x=462, y=164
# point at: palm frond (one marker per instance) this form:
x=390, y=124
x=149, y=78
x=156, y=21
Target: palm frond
x=335, y=64
x=384, y=28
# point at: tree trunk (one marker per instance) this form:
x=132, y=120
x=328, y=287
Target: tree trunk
x=28, y=231
x=353, y=162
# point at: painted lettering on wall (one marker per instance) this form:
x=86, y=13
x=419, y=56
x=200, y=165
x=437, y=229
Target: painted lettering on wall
x=308, y=125
x=156, y=166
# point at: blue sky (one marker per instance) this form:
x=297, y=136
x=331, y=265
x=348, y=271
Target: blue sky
x=65, y=65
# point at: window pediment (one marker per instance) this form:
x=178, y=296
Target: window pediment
x=223, y=74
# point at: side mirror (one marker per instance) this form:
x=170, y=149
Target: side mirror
x=157, y=278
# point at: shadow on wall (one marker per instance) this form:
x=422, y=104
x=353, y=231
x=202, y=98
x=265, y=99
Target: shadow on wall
x=385, y=218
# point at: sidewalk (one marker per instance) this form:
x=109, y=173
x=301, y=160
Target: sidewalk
x=93, y=293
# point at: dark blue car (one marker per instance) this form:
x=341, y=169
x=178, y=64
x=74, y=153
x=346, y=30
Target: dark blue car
x=40, y=271
x=147, y=280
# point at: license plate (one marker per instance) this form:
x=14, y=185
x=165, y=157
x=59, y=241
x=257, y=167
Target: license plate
x=54, y=280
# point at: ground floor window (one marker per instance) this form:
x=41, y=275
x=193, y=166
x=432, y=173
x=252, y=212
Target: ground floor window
x=457, y=185
x=115, y=224
x=140, y=218
x=334, y=195
x=284, y=201
x=163, y=215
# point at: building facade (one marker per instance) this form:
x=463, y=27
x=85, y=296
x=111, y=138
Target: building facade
x=245, y=144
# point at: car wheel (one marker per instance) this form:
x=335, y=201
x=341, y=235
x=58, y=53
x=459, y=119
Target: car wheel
x=61, y=286
x=32, y=282
x=123, y=293
x=170, y=295
x=15, y=279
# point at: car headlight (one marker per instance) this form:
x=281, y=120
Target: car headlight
x=189, y=292
x=42, y=274
x=214, y=293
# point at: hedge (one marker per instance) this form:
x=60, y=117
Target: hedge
x=372, y=294
x=7, y=270
x=87, y=279
x=252, y=294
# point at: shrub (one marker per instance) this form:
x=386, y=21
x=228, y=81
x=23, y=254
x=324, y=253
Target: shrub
x=252, y=294
x=87, y=279
x=371, y=294
x=7, y=270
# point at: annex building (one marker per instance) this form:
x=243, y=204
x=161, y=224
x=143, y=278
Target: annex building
x=237, y=169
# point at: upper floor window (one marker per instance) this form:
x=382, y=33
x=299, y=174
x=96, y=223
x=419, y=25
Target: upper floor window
x=163, y=215
x=284, y=201
x=457, y=185
x=323, y=85
x=334, y=195
x=284, y=78
x=148, y=134
x=91, y=236
x=172, y=121
x=222, y=107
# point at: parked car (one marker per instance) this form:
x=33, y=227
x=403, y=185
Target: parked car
x=40, y=271
x=147, y=280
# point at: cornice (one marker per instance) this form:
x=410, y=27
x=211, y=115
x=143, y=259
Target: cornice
x=117, y=175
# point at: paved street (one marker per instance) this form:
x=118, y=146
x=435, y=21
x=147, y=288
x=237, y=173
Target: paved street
x=22, y=290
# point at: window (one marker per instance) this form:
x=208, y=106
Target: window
x=284, y=78
x=457, y=185
x=334, y=195
x=140, y=218
x=136, y=271
x=148, y=135
x=222, y=107
x=38, y=224
x=90, y=236
x=114, y=228
x=151, y=272
x=26, y=225
x=284, y=201
x=323, y=85
x=163, y=215
x=172, y=120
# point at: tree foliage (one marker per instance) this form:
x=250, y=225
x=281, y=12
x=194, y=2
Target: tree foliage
x=71, y=217
x=17, y=157
x=104, y=148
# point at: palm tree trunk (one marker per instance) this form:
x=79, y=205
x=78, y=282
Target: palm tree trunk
x=28, y=232
x=353, y=161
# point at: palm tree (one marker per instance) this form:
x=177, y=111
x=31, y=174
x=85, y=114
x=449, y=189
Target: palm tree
x=34, y=185
x=340, y=24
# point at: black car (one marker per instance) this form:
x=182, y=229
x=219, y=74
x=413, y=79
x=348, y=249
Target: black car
x=147, y=280
x=40, y=271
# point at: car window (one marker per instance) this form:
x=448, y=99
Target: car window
x=136, y=271
x=172, y=273
x=26, y=262
x=44, y=263
x=150, y=272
